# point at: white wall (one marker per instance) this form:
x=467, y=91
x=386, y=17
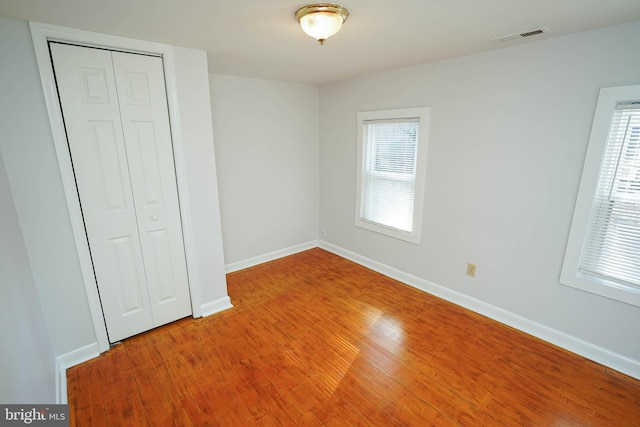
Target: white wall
x=508, y=137
x=195, y=127
x=32, y=167
x=266, y=138
x=27, y=360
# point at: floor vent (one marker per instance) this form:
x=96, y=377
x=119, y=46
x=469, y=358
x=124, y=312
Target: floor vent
x=521, y=35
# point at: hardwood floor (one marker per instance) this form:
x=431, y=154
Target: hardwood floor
x=316, y=340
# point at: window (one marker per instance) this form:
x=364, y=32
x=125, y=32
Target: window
x=392, y=148
x=603, y=252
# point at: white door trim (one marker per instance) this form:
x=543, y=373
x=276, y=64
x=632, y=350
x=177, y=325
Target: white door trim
x=41, y=34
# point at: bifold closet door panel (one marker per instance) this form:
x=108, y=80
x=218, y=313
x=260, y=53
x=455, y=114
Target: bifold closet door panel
x=143, y=108
x=115, y=111
x=89, y=100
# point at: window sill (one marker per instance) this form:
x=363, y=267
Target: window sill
x=604, y=288
x=411, y=237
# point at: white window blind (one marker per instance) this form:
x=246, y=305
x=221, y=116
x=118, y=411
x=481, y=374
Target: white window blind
x=389, y=148
x=611, y=249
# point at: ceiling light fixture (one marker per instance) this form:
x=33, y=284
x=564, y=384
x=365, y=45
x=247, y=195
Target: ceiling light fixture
x=321, y=20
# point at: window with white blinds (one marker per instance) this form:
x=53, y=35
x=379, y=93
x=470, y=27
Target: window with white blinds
x=391, y=172
x=603, y=250
x=612, y=246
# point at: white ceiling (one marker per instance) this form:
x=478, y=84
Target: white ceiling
x=258, y=38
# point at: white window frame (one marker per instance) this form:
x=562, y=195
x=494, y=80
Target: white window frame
x=423, y=116
x=570, y=275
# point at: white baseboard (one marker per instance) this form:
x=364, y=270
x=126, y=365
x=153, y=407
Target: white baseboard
x=235, y=266
x=68, y=360
x=216, y=306
x=583, y=348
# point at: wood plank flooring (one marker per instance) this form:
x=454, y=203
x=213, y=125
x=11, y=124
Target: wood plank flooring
x=317, y=340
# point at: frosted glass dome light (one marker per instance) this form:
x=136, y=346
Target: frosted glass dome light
x=321, y=20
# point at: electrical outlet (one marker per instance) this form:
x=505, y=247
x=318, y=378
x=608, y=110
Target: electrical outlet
x=471, y=270
x=323, y=233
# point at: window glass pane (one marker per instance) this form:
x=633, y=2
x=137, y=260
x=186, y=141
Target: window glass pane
x=393, y=146
x=612, y=246
x=389, y=171
x=388, y=202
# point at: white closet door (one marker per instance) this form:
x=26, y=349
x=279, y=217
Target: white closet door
x=145, y=119
x=134, y=262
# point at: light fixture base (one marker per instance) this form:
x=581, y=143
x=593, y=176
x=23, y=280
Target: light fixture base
x=341, y=11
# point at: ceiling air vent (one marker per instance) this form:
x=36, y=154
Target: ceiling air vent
x=521, y=35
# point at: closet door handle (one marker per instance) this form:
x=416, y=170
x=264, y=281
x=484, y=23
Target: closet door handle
x=155, y=217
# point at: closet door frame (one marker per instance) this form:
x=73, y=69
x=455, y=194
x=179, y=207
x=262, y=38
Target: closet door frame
x=42, y=34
